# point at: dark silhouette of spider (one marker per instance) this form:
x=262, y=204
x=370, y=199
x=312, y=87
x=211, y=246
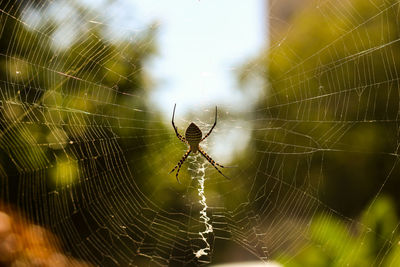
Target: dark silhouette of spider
x=193, y=137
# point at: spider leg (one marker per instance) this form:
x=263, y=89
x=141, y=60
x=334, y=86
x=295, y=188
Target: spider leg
x=213, y=163
x=180, y=164
x=212, y=128
x=210, y=159
x=180, y=137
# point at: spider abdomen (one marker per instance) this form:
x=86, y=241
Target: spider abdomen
x=193, y=136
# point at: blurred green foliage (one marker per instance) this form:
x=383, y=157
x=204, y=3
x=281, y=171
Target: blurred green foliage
x=372, y=241
x=60, y=104
x=332, y=103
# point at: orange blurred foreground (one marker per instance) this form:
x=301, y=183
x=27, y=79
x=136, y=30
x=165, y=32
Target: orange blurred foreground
x=26, y=244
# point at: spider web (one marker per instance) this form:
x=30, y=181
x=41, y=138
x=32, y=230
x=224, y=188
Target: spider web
x=84, y=156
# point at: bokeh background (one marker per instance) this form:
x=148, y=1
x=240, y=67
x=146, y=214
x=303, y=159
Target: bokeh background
x=308, y=106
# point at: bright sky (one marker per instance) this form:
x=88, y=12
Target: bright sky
x=200, y=43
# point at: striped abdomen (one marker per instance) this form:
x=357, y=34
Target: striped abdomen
x=193, y=136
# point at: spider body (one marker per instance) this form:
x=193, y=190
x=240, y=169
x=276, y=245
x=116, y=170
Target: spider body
x=193, y=137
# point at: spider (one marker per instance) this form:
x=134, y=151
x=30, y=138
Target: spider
x=193, y=137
